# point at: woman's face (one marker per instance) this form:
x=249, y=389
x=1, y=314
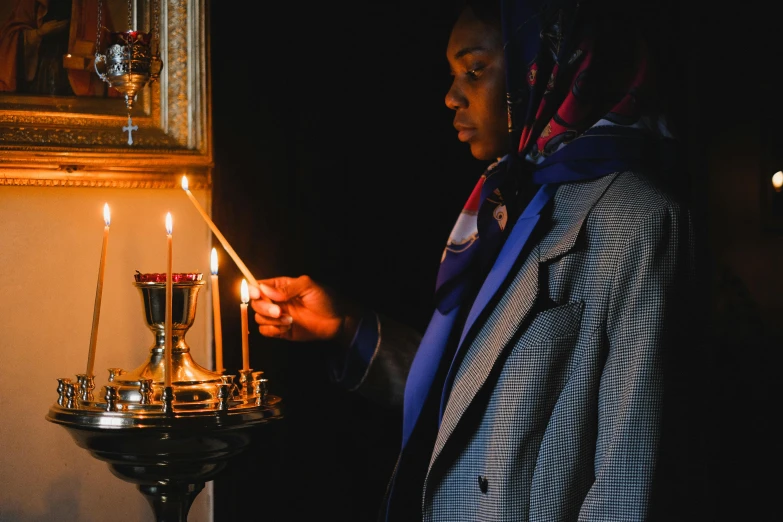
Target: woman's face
x=478, y=91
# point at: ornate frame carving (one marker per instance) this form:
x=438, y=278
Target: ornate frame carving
x=73, y=141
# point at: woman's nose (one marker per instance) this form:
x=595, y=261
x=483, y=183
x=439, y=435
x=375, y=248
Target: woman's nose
x=454, y=98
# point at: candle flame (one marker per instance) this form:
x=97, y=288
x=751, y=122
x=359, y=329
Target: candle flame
x=245, y=293
x=184, y=183
x=169, y=226
x=106, y=214
x=213, y=262
x=777, y=180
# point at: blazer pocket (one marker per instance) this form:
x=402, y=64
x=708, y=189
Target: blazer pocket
x=555, y=323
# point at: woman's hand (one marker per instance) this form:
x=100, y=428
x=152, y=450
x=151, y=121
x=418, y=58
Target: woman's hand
x=299, y=309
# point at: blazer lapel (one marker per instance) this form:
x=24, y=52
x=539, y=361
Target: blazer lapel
x=508, y=254
x=572, y=205
x=466, y=385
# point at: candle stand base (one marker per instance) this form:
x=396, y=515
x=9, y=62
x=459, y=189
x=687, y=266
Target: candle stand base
x=169, y=458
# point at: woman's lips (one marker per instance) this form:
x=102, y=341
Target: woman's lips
x=466, y=133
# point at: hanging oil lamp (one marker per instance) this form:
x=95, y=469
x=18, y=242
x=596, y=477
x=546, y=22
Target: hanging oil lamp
x=130, y=63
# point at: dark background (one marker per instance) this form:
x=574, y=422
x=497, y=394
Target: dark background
x=335, y=157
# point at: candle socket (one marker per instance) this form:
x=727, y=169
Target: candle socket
x=145, y=390
x=86, y=386
x=70, y=395
x=232, y=387
x=112, y=397
x=261, y=391
x=223, y=394
x=246, y=381
x=62, y=384
x=114, y=373
x=80, y=384
x=167, y=400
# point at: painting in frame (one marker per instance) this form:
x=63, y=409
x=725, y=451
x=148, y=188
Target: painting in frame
x=61, y=125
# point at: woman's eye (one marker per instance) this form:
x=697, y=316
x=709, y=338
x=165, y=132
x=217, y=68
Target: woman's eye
x=474, y=73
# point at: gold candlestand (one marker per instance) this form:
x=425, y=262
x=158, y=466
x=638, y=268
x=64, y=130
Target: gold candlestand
x=168, y=441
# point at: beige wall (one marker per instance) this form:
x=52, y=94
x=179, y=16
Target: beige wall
x=50, y=243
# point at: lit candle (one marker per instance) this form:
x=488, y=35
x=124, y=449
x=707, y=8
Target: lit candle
x=216, y=314
x=221, y=238
x=167, y=367
x=245, y=294
x=96, y=312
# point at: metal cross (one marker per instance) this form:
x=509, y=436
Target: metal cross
x=129, y=128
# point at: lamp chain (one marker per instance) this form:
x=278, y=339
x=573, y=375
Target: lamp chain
x=130, y=15
x=155, y=24
x=98, y=34
x=129, y=49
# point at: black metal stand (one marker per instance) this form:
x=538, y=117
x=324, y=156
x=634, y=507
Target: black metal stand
x=171, y=502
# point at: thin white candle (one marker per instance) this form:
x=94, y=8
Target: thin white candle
x=218, y=330
x=223, y=241
x=245, y=294
x=96, y=311
x=167, y=366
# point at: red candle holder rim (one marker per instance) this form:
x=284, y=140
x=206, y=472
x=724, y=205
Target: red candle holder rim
x=130, y=37
x=178, y=277
x=131, y=31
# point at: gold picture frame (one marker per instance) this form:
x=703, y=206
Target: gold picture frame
x=79, y=141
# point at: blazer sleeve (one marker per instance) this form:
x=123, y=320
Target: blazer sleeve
x=377, y=363
x=646, y=301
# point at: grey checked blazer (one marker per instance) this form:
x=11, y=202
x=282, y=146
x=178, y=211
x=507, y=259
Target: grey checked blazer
x=569, y=421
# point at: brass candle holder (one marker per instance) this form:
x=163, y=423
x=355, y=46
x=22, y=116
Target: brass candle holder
x=168, y=441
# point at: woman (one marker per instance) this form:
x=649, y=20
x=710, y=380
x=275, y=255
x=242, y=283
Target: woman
x=537, y=390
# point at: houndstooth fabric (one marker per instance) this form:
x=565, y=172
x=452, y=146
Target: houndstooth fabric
x=555, y=411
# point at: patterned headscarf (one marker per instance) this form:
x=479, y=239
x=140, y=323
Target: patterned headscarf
x=579, y=68
x=578, y=80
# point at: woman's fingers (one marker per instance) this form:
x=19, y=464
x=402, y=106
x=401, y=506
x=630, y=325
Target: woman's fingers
x=266, y=320
x=271, y=327
x=274, y=289
x=265, y=308
x=275, y=331
x=269, y=313
x=284, y=288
